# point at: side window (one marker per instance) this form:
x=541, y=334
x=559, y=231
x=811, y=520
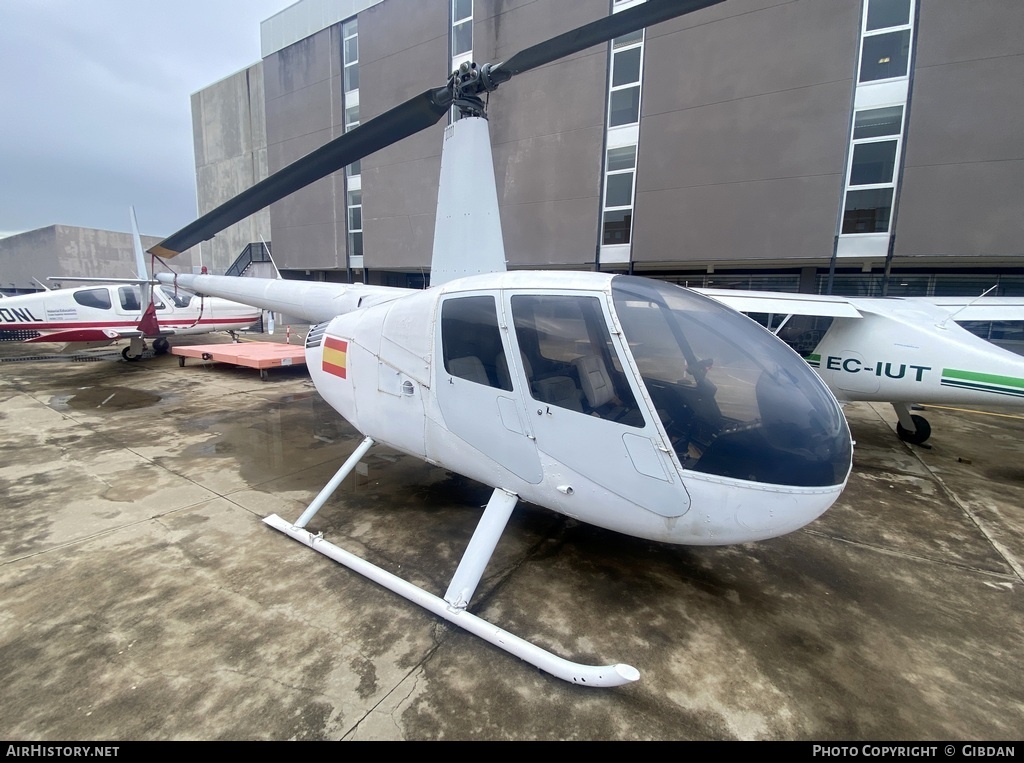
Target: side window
x=471, y=342
x=569, y=359
x=804, y=332
x=93, y=298
x=129, y=296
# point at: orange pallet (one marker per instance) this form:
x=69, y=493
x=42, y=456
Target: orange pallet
x=259, y=355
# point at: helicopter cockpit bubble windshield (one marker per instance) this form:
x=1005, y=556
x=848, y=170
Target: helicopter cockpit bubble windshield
x=734, y=401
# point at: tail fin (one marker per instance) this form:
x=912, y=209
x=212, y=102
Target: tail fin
x=148, y=323
x=467, y=228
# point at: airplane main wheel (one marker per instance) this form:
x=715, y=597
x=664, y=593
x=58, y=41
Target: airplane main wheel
x=161, y=346
x=924, y=431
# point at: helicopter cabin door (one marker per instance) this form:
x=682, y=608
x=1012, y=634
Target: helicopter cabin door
x=584, y=406
x=475, y=391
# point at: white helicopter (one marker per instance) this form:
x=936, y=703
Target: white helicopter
x=628, y=403
x=897, y=350
x=112, y=309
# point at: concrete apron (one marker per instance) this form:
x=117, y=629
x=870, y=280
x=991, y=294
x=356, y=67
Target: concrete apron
x=141, y=596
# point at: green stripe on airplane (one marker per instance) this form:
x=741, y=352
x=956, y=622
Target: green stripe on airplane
x=975, y=376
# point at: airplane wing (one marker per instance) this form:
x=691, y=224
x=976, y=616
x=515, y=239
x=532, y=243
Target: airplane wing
x=783, y=304
x=980, y=308
x=105, y=335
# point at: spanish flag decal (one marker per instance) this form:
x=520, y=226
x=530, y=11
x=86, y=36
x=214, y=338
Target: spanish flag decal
x=335, y=357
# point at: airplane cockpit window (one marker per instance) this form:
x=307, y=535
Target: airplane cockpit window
x=569, y=359
x=471, y=342
x=804, y=332
x=131, y=298
x=99, y=298
x=733, y=400
x=181, y=299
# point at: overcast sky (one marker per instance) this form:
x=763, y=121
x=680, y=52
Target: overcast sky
x=95, y=105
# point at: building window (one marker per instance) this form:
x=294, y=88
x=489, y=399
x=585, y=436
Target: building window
x=622, y=137
x=876, y=123
x=867, y=211
x=462, y=27
x=873, y=168
x=350, y=46
x=351, y=117
x=353, y=180
x=620, y=170
x=883, y=14
x=627, y=65
x=355, y=223
x=351, y=123
x=873, y=163
x=885, y=45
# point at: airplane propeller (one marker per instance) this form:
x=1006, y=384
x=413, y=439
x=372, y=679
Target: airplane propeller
x=463, y=89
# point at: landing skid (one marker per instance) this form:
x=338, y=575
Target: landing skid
x=453, y=606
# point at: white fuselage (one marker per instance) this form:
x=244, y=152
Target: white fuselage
x=382, y=369
x=910, y=350
x=106, y=312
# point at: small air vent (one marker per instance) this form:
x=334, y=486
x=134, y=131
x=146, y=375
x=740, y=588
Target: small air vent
x=315, y=335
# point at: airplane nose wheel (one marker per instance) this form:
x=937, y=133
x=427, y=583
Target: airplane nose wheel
x=922, y=433
x=161, y=346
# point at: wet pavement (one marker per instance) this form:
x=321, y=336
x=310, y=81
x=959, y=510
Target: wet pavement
x=142, y=597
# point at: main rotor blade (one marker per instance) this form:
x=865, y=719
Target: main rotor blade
x=414, y=115
x=604, y=29
x=418, y=113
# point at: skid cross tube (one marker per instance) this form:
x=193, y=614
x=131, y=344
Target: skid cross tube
x=481, y=547
x=584, y=675
x=336, y=480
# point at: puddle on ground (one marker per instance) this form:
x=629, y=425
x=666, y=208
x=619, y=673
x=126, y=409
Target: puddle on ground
x=273, y=438
x=106, y=398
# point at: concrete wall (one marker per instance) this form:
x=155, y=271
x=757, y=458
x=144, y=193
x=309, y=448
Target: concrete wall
x=743, y=138
x=403, y=51
x=229, y=134
x=304, y=110
x=547, y=131
x=744, y=128
x=963, y=187
x=62, y=250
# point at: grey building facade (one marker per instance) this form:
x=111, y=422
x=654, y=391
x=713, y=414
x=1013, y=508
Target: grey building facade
x=230, y=137
x=28, y=259
x=756, y=143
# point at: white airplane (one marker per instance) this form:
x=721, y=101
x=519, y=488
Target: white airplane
x=109, y=310
x=628, y=403
x=897, y=350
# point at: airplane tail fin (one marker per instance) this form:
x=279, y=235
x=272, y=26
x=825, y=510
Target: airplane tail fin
x=148, y=323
